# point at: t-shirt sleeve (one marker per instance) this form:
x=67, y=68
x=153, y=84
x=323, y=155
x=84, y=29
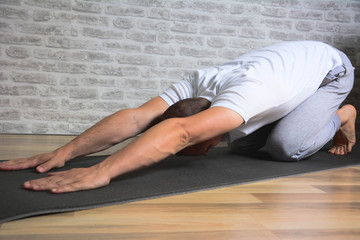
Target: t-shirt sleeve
x=178, y=91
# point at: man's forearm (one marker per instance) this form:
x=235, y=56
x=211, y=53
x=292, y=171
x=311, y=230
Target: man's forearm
x=106, y=133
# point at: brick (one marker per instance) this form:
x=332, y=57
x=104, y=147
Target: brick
x=278, y=3
x=285, y=36
x=87, y=7
x=136, y=60
x=101, y=34
x=351, y=40
x=17, y=90
x=341, y=17
x=195, y=52
x=159, y=13
x=22, y=64
x=327, y=27
x=21, y=40
x=143, y=95
x=328, y=5
x=83, y=93
x=85, y=118
x=141, y=36
x=357, y=18
x=98, y=82
x=10, y=115
x=113, y=94
x=245, y=44
x=129, y=48
x=78, y=128
x=326, y=38
x=11, y=2
x=58, y=42
x=12, y=13
x=5, y=27
x=70, y=81
x=177, y=62
x=184, y=28
x=147, y=3
x=208, y=6
x=64, y=5
x=123, y=23
x=108, y=106
x=236, y=21
x=125, y=11
x=52, y=54
x=18, y=52
x=140, y=84
x=91, y=20
x=71, y=43
x=11, y=127
x=36, y=103
x=302, y=14
x=252, y=33
x=3, y=76
x=87, y=56
x=37, y=29
x=153, y=72
x=230, y=54
x=46, y=115
x=274, y=12
x=37, y=78
x=304, y=26
x=39, y=128
x=4, y=102
x=41, y=15
x=159, y=50
x=63, y=17
x=278, y=24
x=216, y=42
x=153, y=25
x=189, y=40
x=178, y=74
x=355, y=6
x=184, y=17
x=53, y=91
x=114, y=70
x=65, y=67
x=165, y=37
x=74, y=104
x=225, y=31
x=237, y=8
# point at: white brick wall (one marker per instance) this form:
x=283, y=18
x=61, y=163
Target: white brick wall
x=66, y=64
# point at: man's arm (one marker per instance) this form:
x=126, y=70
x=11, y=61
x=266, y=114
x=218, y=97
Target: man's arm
x=106, y=133
x=157, y=143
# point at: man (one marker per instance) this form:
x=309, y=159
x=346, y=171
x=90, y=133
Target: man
x=285, y=97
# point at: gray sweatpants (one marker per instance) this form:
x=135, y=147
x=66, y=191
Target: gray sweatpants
x=305, y=130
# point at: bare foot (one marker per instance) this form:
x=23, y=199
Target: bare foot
x=345, y=139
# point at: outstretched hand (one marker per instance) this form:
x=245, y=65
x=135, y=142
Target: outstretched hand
x=43, y=162
x=69, y=181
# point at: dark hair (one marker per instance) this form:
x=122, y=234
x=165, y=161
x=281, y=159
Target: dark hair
x=186, y=108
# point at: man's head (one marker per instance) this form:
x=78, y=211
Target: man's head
x=186, y=108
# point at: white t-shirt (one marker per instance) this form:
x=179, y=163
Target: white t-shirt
x=263, y=85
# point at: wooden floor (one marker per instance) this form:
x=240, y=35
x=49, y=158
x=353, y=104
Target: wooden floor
x=323, y=205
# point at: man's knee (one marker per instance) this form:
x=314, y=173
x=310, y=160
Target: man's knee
x=283, y=150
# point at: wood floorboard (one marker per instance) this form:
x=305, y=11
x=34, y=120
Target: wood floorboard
x=315, y=206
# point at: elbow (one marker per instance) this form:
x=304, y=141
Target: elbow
x=180, y=133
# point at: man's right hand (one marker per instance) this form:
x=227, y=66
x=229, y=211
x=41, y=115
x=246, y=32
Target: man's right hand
x=43, y=162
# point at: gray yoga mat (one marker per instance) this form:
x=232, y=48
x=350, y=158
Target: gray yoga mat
x=174, y=175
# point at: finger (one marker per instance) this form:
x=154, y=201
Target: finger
x=19, y=163
x=53, y=163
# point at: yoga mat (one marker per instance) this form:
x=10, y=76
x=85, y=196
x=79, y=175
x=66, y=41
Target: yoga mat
x=174, y=175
